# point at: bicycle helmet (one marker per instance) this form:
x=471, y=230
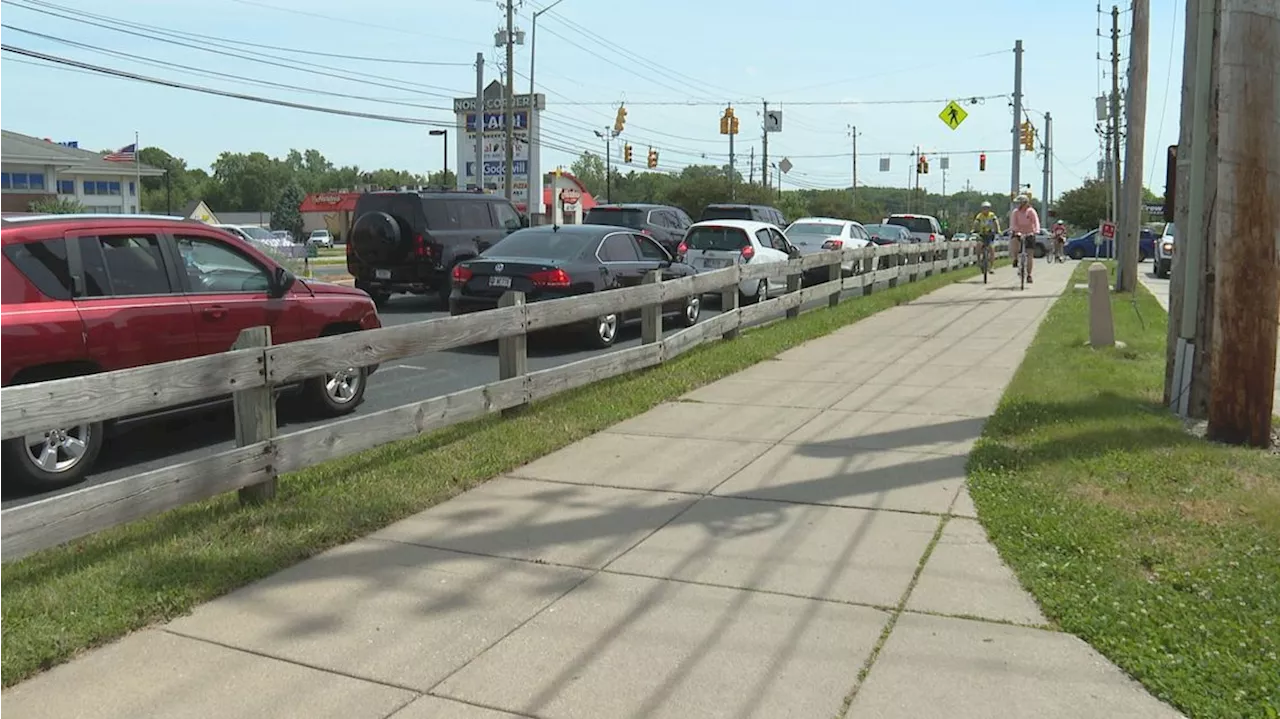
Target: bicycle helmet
x=1021, y=199
x=986, y=205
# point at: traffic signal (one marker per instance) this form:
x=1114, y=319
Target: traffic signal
x=982, y=162
x=626, y=152
x=620, y=121
x=1028, y=137
x=922, y=165
x=728, y=122
x=653, y=158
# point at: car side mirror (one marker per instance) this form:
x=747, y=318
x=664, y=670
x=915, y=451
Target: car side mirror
x=281, y=281
x=524, y=220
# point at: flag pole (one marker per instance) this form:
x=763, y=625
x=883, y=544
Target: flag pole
x=137, y=168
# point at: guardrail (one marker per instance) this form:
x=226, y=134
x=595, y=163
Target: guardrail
x=251, y=370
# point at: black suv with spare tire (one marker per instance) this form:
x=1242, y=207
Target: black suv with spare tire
x=409, y=241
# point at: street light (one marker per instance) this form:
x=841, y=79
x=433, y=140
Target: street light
x=533, y=44
x=445, y=134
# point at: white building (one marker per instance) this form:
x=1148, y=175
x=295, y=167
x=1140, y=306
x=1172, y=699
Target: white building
x=32, y=168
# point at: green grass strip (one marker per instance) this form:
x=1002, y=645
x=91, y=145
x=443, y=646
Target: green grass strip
x=1160, y=549
x=61, y=601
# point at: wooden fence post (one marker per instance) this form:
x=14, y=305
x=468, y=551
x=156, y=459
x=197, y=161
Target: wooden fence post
x=255, y=411
x=651, y=315
x=729, y=303
x=513, y=351
x=835, y=273
x=793, y=285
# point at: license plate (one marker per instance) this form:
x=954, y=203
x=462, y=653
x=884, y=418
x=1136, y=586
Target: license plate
x=715, y=263
x=382, y=274
x=498, y=281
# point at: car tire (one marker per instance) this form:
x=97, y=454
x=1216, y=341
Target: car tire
x=692, y=311
x=762, y=293
x=21, y=456
x=1076, y=253
x=603, y=332
x=1039, y=251
x=336, y=394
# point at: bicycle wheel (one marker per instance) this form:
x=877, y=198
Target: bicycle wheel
x=984, y=261
x=1022, y=269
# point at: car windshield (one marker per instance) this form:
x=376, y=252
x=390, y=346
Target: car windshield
x=319, y=233
x=913, y=224
x=258, y=233
x=616, y=217
x=883, y=231
x=725, y=239
x=543, y=243
x=814, y=229
x=726, y=213
x=1168, y=231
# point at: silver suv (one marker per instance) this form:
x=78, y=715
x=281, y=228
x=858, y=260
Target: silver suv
x=1164, y=251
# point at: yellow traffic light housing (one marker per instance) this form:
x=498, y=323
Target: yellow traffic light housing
x=728, y=122
x=620, y=121
x=733, y=126
x=653, y=158
x=626, y=152
x=1027, y=136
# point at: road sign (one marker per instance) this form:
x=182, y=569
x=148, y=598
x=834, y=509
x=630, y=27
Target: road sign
x=944, y=163
x=884, y=164
x=570, y=196
x=1108, y=231
x=773, y=121
x=785, y=165
x=952, y=115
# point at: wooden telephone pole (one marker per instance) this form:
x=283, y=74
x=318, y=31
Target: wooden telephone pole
x=1130, y=230
x=1247, y=320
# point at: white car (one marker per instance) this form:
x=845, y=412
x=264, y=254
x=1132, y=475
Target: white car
x=1164, y=252
x=716, y=244
x=924, y=228
x=320, y=238
x=811, y=235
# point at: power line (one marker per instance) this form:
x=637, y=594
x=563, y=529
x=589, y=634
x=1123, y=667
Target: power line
x=350, y=76
x=610, y=61
x=232, y=41
x=972, y=99
x=164, y=64
x=349, y=21
x=212, y=91
x=949, y=62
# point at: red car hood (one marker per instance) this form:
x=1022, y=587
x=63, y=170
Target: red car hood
x=320, y=287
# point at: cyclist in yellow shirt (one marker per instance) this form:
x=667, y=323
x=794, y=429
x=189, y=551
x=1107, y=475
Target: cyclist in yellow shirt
x=987, y=225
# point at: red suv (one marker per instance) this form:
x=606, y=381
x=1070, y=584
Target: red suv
x=92, y=293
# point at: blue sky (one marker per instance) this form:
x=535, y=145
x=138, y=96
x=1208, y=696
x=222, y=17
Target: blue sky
x=871, y=56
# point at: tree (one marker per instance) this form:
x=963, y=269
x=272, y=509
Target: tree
x=56, y=206
x=589, y=169
x=287, y=215
x=1085, y=206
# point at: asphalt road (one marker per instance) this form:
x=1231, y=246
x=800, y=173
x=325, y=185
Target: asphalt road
x=397, y=383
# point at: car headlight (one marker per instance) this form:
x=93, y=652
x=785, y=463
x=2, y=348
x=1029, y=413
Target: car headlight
x=1168, y=247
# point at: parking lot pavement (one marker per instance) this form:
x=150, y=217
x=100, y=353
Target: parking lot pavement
x=741, y=552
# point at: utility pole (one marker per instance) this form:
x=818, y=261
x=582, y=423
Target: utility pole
x=1048, y=165
x=853, y=189
x=1114, y=156
x=764, y=143
x=732, y=184
x=751, y=167
x=1194, y=286
x=1135, y=138
x=1015, y=182
x=1247, y=321
x=480, y=121
x=509, y=119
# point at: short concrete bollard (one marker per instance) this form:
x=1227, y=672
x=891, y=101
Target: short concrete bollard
x=1102, y=330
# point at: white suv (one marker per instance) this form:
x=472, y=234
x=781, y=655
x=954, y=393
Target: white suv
x=1164, y=252
x=320, y=238
x=923, y=228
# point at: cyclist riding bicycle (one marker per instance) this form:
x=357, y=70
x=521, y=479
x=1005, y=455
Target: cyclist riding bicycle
x=987, y=225
x=1059, y=239
x=1024, y=225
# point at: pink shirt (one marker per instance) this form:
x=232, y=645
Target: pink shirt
x=1025, y=221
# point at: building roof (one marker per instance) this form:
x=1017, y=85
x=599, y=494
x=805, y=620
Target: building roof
x=18, y=148
x=329, y=202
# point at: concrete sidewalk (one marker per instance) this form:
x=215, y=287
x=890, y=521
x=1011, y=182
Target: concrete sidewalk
x=740, y=553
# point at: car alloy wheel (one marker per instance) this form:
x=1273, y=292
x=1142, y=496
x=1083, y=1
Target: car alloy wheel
x=344, y=387
x=692, y=311
x=58, y=450
x=607, y=329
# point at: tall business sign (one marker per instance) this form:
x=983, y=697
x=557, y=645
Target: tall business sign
x=526, y=165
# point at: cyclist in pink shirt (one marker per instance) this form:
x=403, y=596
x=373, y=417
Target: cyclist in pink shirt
x=1024, y=221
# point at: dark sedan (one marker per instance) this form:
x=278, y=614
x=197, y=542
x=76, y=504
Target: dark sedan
x=550, y=262
x=889, y=234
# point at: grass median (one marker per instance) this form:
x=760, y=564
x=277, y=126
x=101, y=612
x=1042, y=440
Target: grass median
x=61, y=601
x=1160, y=549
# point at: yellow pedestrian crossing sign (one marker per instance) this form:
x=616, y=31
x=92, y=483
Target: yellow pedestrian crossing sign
x=952, y=115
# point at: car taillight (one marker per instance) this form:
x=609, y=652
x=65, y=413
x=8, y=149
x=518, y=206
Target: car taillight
x=550, y=278
x=933, y=237
x=646, y=232
x=461, y=275
x=420, y=246
x=748, y=252
x=682, y=249
x=833, y=244
x=348, y=248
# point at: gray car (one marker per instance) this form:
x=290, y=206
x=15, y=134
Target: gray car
x=1164, y=251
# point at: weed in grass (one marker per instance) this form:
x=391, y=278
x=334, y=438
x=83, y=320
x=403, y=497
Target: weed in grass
x=1159, y=548
x=64, y=600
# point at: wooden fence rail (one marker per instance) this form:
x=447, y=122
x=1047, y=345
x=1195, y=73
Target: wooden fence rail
x=250, y=372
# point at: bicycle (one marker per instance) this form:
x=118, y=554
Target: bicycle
x=985, y=248
x=1022, y=259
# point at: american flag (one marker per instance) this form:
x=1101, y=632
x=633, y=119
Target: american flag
x=128, y=153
